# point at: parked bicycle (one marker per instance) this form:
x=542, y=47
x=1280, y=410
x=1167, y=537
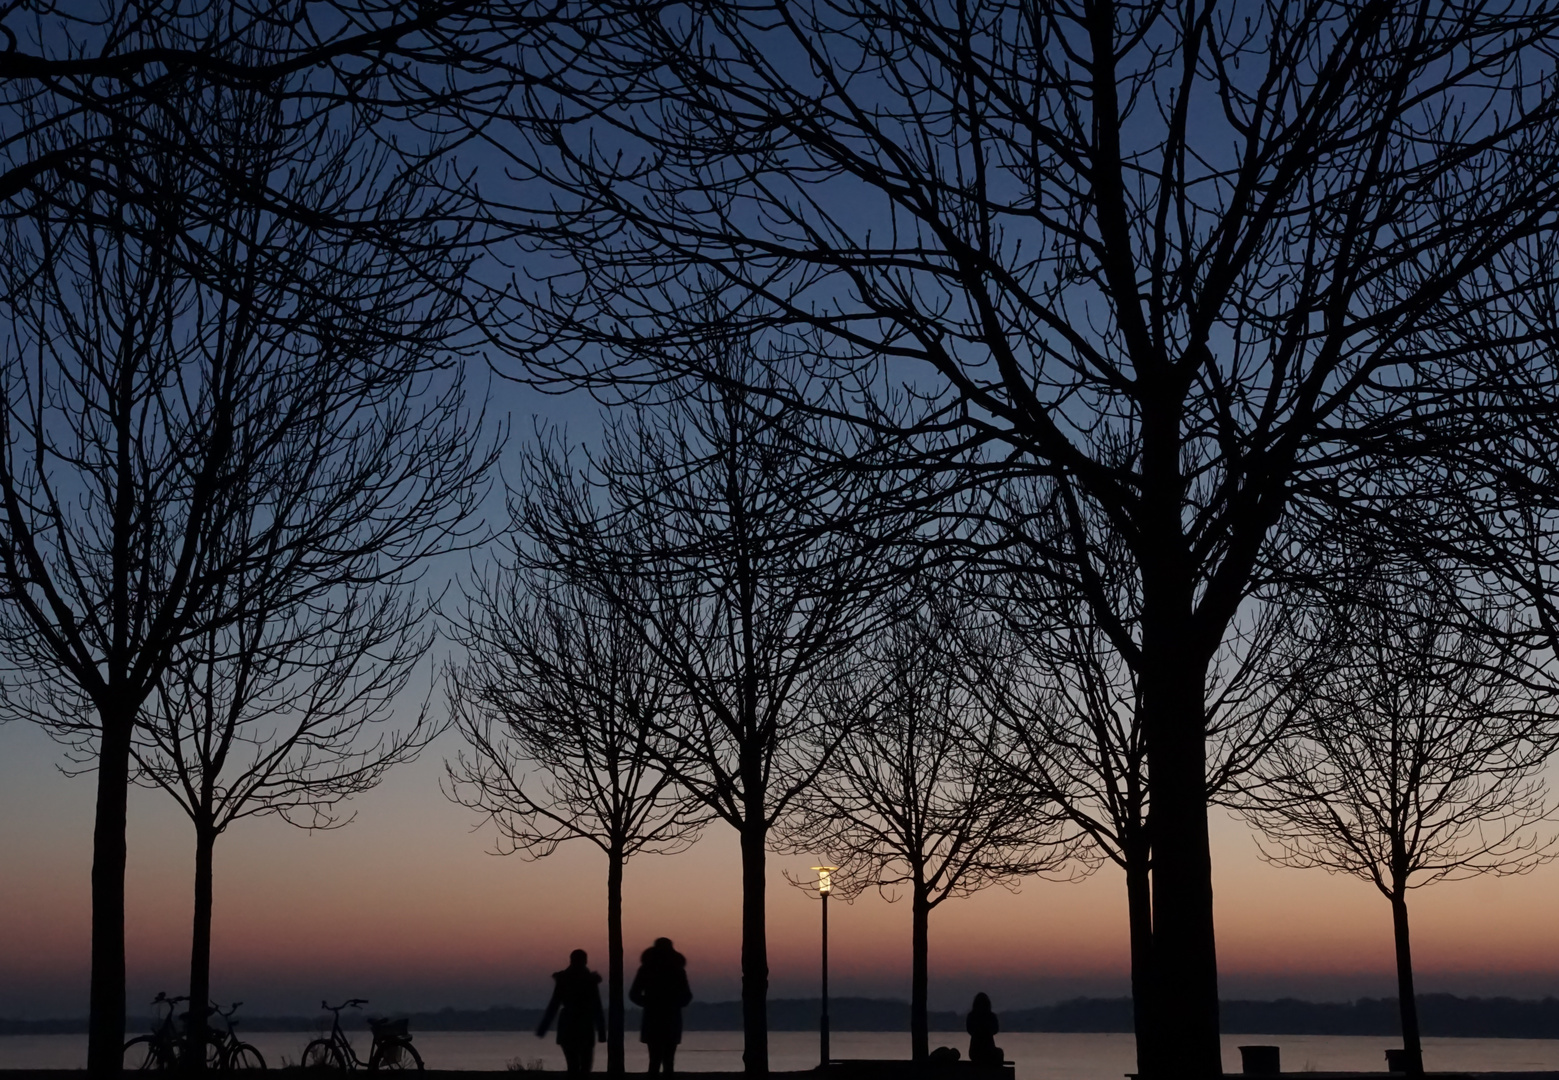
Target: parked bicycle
x=160, y=1049
x=164, y=1048
x=391, y=1047
x=223, y=1048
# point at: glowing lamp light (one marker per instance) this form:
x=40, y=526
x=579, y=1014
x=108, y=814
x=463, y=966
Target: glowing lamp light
x=825, y=883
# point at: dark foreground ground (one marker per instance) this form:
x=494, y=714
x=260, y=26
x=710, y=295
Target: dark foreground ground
x=872, y=1070
x=472, y=1074
x=809, y=1074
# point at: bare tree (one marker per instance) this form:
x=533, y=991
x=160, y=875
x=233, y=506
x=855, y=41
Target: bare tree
x=1073, y=714
x=70, y=72
x=753, y=558
x=917, y=795
x=560, y=702
x=1417, y=760
x=205, y=401
x=1181, y=259
x=1072, y=707
x=278, y=712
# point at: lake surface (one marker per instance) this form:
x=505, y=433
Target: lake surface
x=1039, y=1055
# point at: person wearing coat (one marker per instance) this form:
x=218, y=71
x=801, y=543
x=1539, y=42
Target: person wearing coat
x=576, y=1002
x=982, y=1025
x=661, y=990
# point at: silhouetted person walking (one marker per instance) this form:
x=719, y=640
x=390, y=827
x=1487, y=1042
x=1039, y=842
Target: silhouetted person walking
x=661, y=990
x=577, y=992
x=982, y=1026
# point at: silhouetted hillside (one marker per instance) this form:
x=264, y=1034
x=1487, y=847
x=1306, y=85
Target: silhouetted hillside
x=800, y=1014
x=1441, y=1014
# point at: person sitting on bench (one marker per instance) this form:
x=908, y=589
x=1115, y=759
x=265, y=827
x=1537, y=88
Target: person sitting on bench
x=982, y=1026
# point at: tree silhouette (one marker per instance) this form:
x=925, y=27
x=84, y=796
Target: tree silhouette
x=69, y=73
x=1184, y=261
x=1417, y=759
x=1071, y=705
x=278, y=712
x=560, y=702
x=205, y=401
x=748, y=558
x=916, y=795
x=1071, y=710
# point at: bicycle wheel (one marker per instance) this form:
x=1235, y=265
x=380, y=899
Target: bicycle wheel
x=323, y=1054
x=395, y=1054
x=145, y=1052
x=243, y=1056
x=216, y=1048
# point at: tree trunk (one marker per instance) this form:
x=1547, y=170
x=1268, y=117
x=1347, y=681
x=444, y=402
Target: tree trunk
x=1173, y=664
x=755, y=950
x=614, y=962
x=1139, y=914
x=200, y=949
x=919, y=1025
x=1184, y=1003
x=106, y=1026
x=1407, y=1002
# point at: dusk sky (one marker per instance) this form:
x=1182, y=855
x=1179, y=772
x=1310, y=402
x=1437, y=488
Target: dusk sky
x=1041, y=421
x=406, y=908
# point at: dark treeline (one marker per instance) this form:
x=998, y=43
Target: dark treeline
x=1442, y=1015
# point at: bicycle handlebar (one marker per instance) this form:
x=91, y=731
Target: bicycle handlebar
x=351, y=1003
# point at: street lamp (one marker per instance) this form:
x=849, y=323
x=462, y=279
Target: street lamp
x=824, y=887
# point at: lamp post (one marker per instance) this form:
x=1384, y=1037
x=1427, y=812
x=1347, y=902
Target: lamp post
x=824, y=887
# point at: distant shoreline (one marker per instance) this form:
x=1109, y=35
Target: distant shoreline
x=1443, y=1015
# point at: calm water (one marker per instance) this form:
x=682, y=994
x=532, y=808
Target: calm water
x=1039, y=1055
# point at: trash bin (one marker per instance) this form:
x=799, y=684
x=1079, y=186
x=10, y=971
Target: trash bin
x=1260, y=1061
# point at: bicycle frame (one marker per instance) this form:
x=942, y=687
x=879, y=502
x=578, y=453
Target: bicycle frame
x=165, y=1040
x=390, y=1046
x=219, y=1029
x=341, y=1042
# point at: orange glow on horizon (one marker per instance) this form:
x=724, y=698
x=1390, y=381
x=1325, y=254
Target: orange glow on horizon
x=408, y=897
